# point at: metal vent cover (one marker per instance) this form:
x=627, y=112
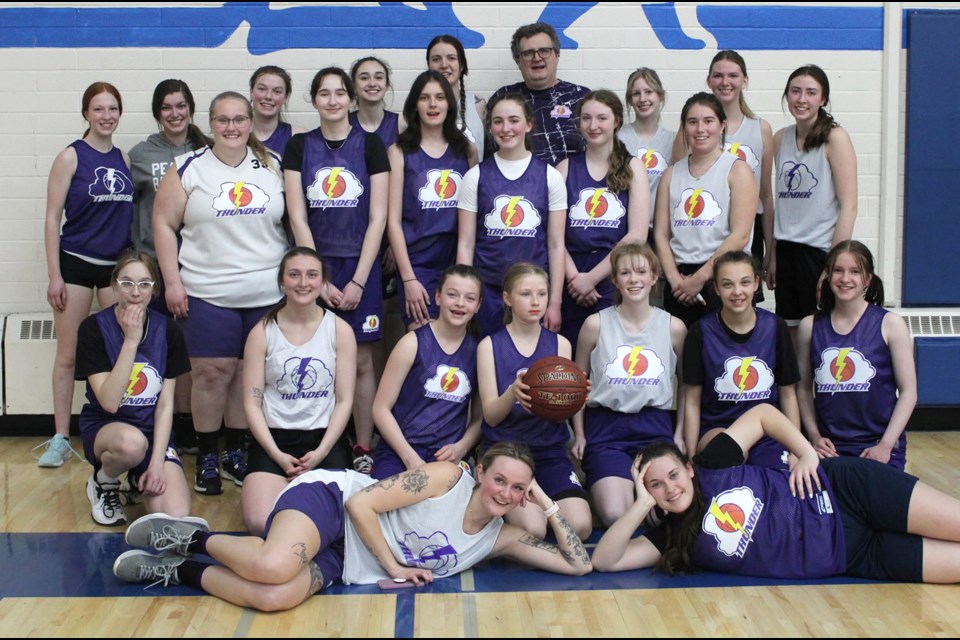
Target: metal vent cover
x=931, y=323
x=37, y=330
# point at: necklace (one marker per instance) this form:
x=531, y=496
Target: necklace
x=701, y=168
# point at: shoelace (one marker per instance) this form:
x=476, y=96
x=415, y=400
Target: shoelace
x=363, y=464
x=48, y=444
x=208, y=466
x=111, y=500
x=158, y=573
x=235, y=458
x=168, y=538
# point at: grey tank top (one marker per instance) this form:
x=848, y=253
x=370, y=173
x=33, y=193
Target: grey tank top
x=807, y=204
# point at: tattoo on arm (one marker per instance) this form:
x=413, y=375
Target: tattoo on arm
x=316, y=579
x=258, y=393
x=384, y=484
x=454, y=480
x=300, y=550
x=575, y=550
x=537, y=543
x=415, y=481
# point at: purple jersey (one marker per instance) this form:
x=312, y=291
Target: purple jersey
x=855, y=389
x=752, y=525
x=337, y=189
x=388, y=130
x=511, y=219
x=596, y=216
x=99, y=205
x=431, y=193
x=520, y=425
x=277, y=142
x=433, y=406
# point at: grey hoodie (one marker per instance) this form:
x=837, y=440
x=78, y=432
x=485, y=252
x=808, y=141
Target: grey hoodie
x=149, y=160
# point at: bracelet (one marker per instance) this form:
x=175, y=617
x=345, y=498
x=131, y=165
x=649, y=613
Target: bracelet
x=362, y=288
x=414, y=279
x=552, y=511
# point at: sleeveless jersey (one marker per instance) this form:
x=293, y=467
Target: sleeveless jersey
x=855, y=390
x=807, y=204
x=233, y=237
x=428, y=534
x=337, y=189
x=519, y=425
x=388, y=130
x=277, y=142
x=299, y=380
x=596, y=216
x=747, y=144
x=753, y=526
x=654, y=153
x=138, y=405
x=99, y=205
x=699, y=210
x=511, y=219
x=434, y=402
x=431, y=193
x=632, y=371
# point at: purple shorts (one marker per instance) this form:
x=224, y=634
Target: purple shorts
x=88, y=433
x=768, y=453
x=429, y=279
x=323, y=503
x=614, y=439
x=367, y=319
x=574, y=315
x=218, y=332
x=555, y=474
x=387, y=463
x=490, y=315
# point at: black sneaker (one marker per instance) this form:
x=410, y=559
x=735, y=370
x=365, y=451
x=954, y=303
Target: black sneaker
x=208, y=475
x=234, y=466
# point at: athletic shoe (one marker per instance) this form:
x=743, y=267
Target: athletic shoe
x=57, y=450
x=105, y=502
x=140, y=566
x=362, y=460
x=129, y=493
x=234, y=466
x=161, y=532
x=208, y=475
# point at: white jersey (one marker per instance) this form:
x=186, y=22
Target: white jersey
x=807, y=204
x=699, y=210
x=654, y=153
x=299, y=380
x=475, y=128
x=747, y=144
x=232, y=234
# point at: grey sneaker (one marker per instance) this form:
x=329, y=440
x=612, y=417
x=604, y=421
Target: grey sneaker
x=105, y=506
x=163, y=533
x=57, y=450
x=140, y=566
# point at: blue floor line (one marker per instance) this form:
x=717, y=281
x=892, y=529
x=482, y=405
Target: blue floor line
x=405, y=614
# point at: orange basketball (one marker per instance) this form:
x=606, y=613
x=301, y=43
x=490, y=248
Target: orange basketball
x=558, y=388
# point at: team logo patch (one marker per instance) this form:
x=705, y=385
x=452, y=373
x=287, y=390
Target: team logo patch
x=371, y=324
x=697, y=208
x=432, y=552
x=109, y=185
x=144, y=386
x=653, y=160
x=732, y=518
x=842, y=371
x=561, y=111
x=744, y=380
x=441, y=190
x=304, y=378
x=334, y=187
x=596, y=208
x=745, y=153
x=796, y=181
x=240, y=199
x=634, y=366
x=513, y=217
x=449, y=383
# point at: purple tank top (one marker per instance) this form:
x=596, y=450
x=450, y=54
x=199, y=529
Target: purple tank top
x=519, y=425
x=277, y=142
x=431, y=193
x=99, y=205
x=434, y=402
x=337, y=189
x=511, y=219
x=388, y=130
x=596, y=217
x=855, y=390
x=753, y=526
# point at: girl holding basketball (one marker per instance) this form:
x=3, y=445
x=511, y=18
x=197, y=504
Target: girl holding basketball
x=502, y=359
x=631, y=351
x=426, y=397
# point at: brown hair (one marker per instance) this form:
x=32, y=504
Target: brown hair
x=732, y=257
x=271, y=316
x=464, y=70
x=874, y=291
x=513, y=275
x=259, y=151
x=527, y=113
x=515, y=450
x=131, y=256
x=619, y=173
x=280, y=72
x=167, y=87
x=632, y=251
x=820, y=131
x=652, y=78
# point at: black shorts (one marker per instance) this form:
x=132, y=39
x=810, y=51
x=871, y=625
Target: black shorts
x=298, y=443
x=873, y=500
x=756, y=250
x=85, y=274
x=692, y=313
x=798, y=270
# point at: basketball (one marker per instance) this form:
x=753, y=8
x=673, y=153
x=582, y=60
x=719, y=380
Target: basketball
x=558, y=388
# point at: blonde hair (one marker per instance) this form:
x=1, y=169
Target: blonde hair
x=514, y=274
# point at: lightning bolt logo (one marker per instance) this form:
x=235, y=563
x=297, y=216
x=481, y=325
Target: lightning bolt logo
x=647, y=158
x=449, y=378
x=726, y=518
x=634, y=361
x=595, y=201
x=134, y=378
x=443, y=183
x=734, y=147
x=792, y=176
x=332, y=183
x=744, y=372
x=111, y=180
x=511, y=210
x=237, y=195
x=841, y=364
x=693, y=203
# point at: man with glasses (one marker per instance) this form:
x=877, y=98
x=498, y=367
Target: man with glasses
x=536, y=50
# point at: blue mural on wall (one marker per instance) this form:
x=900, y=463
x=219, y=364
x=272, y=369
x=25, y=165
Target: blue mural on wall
x=395, y=25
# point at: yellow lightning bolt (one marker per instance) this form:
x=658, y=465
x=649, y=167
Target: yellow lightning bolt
x=134, y=376
x=449, y=377
x=595, y=201
x=693, y=202
x=443, y=183
x=725, y=518
x=634, y=361
x=511, y=209
x=734, y=147
x=646, y=158
x=332, y=183
x=744, y=369
x=237, y=193
x=841, y=363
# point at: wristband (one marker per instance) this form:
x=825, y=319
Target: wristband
x=362, y=288
x=410, y=280
x=552, y=511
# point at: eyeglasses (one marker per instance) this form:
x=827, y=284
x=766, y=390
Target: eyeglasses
x=128, y=285
x=223, y=122
x=543, y=52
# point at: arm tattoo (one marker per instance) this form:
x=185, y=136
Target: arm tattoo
x=316, y=579
x=576, y=549
x=384, y=484
x=415, y=481
x=454, y=480
x=537, y=543
x=300, y=550
x=258, y=393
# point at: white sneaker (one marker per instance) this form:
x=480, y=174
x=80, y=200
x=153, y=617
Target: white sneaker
x=57, y=451
x=105, y=502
